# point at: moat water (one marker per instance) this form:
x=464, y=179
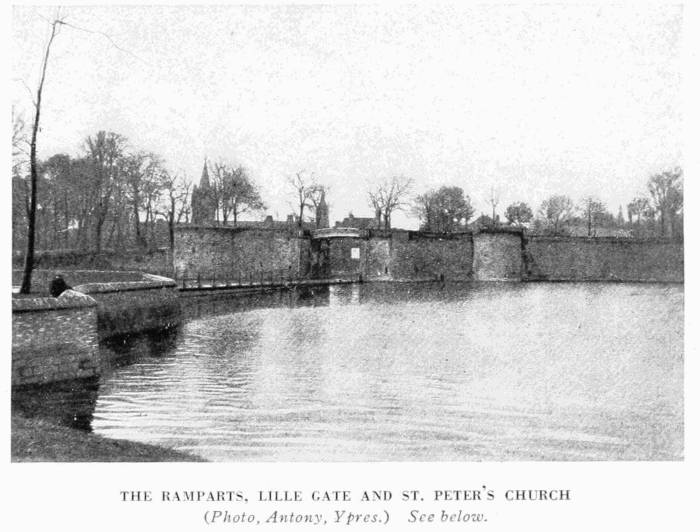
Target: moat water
x=388, y=372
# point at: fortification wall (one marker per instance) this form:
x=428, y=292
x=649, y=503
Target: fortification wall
x=132, y=307
x=498, y=256
x=54, y=339
x=603, y=259
x=230, y=252
x=158, y=261
x=486, y=256
x=420, y=257
x=347, y=256
x=42, y=278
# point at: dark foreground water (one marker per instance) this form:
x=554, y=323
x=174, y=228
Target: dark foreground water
x=412, y=372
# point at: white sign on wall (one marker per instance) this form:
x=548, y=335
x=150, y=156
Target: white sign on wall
x=355, y=253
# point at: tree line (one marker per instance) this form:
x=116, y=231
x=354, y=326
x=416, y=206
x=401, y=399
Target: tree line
x=448, y=209
x=108, y=196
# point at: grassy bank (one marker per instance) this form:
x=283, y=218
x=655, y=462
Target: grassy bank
x=37, y=440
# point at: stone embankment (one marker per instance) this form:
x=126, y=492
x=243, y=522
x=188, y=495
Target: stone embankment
x=57, y=338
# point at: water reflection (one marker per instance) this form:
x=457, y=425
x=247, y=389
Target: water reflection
x=72, y=403
x=411, y=372
x=69, y=403
x=211, y=304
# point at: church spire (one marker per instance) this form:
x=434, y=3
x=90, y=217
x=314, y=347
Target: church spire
x=322, y=211
x=204, y=181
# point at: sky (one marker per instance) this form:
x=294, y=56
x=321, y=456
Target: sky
x=529, y=101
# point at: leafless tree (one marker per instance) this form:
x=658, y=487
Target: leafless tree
x=317, y=193
x=666, y=190
x=494, y=199
x=445, y=210
x=25, y=288
x=593, y=209
x=556, y=211
x=175, y=204
x=104, y=153
x=144, y=178
x=307, y=193
x=19, y=143
x=390, y=196
x=235, y=191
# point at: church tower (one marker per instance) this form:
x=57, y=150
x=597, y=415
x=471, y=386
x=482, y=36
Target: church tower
x=322, y=212
x=203, y=200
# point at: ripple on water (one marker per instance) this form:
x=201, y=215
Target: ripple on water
x=479, y=372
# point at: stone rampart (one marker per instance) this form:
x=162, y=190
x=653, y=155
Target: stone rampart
x=157, y=261
x=503, y=254
x=230, y=252
x=498, y=256
x=347, y=256
x=54, y=339
x=41, y=277
x=131, y=307
x=420, y=257
x=602, y=259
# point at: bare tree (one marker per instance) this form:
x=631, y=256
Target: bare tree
x=33, y=173
x=593, y=210
x=390, y=196
x=494, y=200
x=317, y=193
x=666, y=190
x=307, y=193
x=134, y=175
x=19, y=143
x=104, y=153
x=637, y=207
x=445, y=210
x=519, y=213
x=236, y=192
x=176, y=203
x=557, y=210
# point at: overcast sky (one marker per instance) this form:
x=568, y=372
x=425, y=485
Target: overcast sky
x=533, y=101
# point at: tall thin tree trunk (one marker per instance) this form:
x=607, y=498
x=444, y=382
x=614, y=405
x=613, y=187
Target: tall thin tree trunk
x=31, y=223
x=98, y=235
x=66, y=228
x=589, y=222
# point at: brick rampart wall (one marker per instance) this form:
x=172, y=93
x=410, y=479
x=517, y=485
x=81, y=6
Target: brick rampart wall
x=420, y=257
x=603, y=259
x=230, y=252
x=134, y=307
x=341, y=259
x=54, y=339
x=497, y=256
x=401, y=255
x=157, y=261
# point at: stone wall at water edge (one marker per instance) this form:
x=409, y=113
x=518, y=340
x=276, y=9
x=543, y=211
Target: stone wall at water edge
x=230, y=252
x=503, y=254
x=131, y=307
x=401, y=255
x=602, y=259
x=416, y=256
x=498, y=256
x=54, y=339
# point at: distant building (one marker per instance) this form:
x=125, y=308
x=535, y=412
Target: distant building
x=359, y=223
x=204, y=200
